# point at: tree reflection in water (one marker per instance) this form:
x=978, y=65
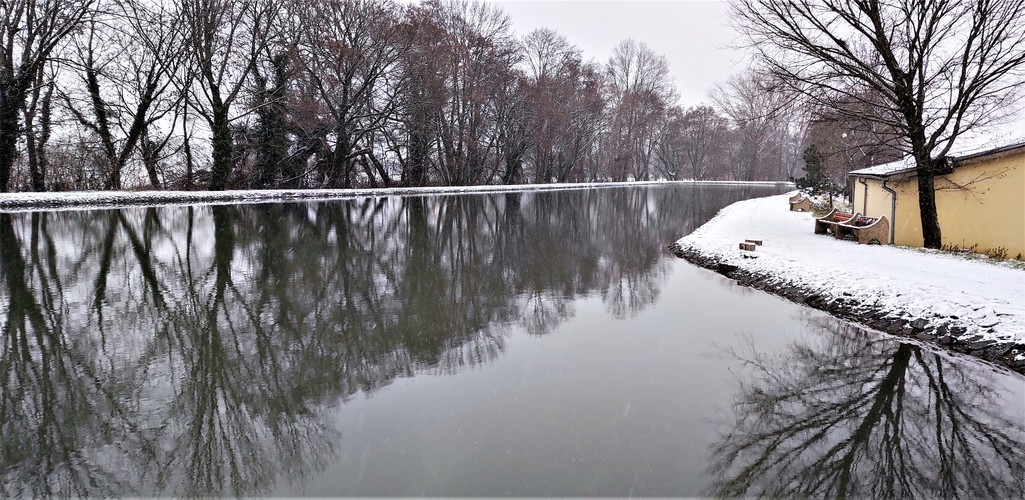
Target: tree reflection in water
x=197, y=350
x=847, y=413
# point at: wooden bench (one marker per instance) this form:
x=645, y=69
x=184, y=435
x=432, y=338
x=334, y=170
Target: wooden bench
x=827, y=223
x=800, y=203
x=864, y=229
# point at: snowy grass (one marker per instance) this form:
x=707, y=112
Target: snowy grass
x=982, y=295
x=972, y=256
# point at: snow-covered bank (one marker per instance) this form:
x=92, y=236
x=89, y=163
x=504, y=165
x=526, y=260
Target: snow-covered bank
x=96, y=199
x=969, y=304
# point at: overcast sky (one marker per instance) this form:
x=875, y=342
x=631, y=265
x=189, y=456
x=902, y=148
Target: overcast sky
x=694, y=35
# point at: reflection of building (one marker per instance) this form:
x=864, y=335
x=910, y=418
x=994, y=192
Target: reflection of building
x=980, y=199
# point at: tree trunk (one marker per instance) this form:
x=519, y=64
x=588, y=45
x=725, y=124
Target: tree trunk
x=342, y=163
x=30, y=150
x=222, y=149
x=42, y=163
x=419, y=146
x=514, y=163
x=149, y=159
x=931, y=237
x=513, y=167
x=381, y=170
x=336, y=168
x=12, y=98
x=367, y=170
x=186, y=146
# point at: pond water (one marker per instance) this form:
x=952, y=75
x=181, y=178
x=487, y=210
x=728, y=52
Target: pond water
x=527, y=344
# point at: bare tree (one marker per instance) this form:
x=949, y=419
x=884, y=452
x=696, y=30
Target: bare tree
x=669, y=140
x=552, y=64
x=848, y=145
x=225, y=37
x=37, y=132
x=270, y=134
x=642, y=92
x=421, y=97
x=512, y=112
x=588, y=121
x=758, y=114
x=566, y=106
x=351, y=50
x=30, y=31
x=126, y=58
x=942, y=68
x=476, y=58
x=703, y=136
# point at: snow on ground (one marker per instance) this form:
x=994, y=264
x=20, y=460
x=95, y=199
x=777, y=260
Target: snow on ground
x=986, y=297
x=92, y=199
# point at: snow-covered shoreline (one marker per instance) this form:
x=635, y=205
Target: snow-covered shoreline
x=84, y=200
x=966, y=304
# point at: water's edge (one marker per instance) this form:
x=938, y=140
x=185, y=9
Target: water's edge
x=1002, y=353
x=84, y=200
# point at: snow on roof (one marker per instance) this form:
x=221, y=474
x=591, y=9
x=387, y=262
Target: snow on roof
x=997, y=136
x=902, y=165
x=1001, y=136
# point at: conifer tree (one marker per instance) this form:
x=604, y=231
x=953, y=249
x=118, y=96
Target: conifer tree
x=815, y=176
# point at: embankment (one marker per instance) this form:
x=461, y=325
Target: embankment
x=968, y=305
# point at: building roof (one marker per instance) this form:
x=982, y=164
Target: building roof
x=903, y=165
x=997, y=140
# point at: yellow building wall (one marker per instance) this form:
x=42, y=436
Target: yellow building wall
x=995, y=192
x=908, y=228
x=981, y=206
x=871, y=199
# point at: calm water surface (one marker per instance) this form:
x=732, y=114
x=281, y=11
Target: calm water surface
x=498, y=344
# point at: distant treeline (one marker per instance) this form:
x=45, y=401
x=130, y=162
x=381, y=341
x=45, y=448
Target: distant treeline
x=215, y=94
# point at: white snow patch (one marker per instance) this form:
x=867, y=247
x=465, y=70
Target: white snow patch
x=934, y=286
x=80, y=200
x=1009, y=132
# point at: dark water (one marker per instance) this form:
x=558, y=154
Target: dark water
x=502, y=344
